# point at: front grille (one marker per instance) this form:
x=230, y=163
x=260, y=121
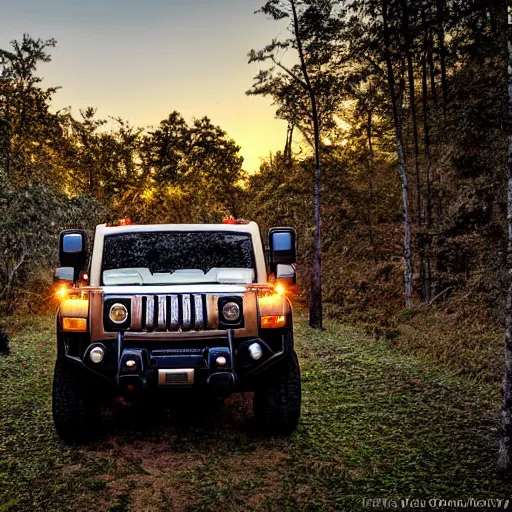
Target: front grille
x=183, y=312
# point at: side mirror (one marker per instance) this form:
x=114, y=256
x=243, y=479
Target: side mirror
x=73, y=250
x=285, y=275
x=282, y=243
x=285, y=272
x=64, y=275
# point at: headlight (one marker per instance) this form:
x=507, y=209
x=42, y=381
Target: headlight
x=118, y=313
x=231, y=311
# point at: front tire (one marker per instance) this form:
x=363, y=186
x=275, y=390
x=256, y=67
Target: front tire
x=277, y=402
x=76, y=412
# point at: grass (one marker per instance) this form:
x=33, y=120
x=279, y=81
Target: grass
x=376, y=423
x=456, y=338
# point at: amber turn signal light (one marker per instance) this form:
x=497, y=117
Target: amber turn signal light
x=268, y=322
x=62, y=292
x=74, y=324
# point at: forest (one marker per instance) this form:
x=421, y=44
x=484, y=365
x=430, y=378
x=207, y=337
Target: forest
x=393, y=170
x=411, y=123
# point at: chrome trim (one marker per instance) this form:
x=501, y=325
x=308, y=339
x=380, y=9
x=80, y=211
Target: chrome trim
x=210, y=316
x=185, y=300
x=231, y=289
x=175, y=313
x=162, y=312
x=150, y=311
x=186, y=374
x=199, y=314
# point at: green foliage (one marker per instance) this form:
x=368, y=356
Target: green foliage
x=183, y=171
x=58, y=171
x=31, y=218
x=193, y=172
x=450, y=73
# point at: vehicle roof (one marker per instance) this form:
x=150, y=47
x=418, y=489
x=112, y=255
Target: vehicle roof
x=249, y=227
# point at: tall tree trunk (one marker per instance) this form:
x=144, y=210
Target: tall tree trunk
x=442, y=53
x=426, y=140
x=412, y=102
x=7, y=134
x=315, y=309
x=402, y=167
x=370, y=185
x=432, y=69
x=288, y=145
x=505, y=455
x=427, y=290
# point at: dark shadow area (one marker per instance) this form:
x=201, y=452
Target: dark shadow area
x=181, y=418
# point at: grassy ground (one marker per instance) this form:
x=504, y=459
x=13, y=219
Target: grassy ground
x=376, y=423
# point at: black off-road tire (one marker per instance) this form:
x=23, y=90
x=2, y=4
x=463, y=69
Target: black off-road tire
x=76, y=411
x=277, y=402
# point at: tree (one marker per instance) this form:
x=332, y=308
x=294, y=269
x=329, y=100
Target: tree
x=375, y=32
x=505, y=448
x=194, y=170
x=31, y=133
x=402, y=166
x=31, y=218
x=85, y=151
x=297, y=90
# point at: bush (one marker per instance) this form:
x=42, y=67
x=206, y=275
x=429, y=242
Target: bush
x=31, y=218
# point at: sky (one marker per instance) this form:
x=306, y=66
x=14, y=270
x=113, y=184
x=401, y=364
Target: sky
x=142, y=59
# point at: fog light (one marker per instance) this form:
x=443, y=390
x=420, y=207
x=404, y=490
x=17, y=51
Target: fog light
x=221, y=361
x=97, y=354
x=255, y=351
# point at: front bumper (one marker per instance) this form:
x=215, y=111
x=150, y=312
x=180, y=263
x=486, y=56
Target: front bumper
x=220, y=365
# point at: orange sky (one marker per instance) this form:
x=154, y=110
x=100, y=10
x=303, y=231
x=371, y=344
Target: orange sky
x=142, y=60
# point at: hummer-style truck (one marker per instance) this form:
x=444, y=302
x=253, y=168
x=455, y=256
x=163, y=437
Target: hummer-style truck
x=172, y=307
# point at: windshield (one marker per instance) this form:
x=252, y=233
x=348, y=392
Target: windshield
x=177, y=257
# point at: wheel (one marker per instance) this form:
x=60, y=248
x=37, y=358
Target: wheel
x=76, y=412
x=277, y=402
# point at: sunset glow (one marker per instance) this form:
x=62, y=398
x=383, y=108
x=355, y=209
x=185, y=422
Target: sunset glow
x=141, y=61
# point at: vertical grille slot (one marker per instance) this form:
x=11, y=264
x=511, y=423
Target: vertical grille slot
x=174, y=313
x=150, y=312
x=136, y=313
x=187, y=312
x=162, y=313
x=198, y=312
